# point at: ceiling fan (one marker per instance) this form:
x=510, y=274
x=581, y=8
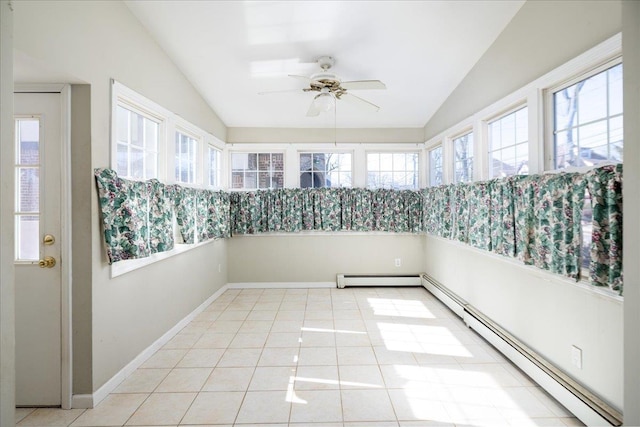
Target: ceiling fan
x=331, y=89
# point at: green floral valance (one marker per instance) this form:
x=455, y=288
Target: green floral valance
x=536, y=219
x=138, y=216
x=326, y=209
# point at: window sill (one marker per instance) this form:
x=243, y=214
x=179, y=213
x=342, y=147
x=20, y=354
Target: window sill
x=547, y=276
x=123, y=267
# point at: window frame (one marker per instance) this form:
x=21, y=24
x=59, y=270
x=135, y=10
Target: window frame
x=486, y=172
x=327, y=151
x=474, y=142
x=217, y=184
x=418, y=170
x=132, y=101
x=549, y=111
x=541, y=146
x=198, y=160
x=257, y=153
x=438, y=146
x=171, y=123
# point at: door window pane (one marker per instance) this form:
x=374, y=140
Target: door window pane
x=27, y=189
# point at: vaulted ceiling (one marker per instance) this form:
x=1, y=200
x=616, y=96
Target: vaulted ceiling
x=232, y=50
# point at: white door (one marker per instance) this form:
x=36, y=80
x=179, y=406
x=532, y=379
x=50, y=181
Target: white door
x=37, y=234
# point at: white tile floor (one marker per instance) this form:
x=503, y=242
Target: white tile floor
x=372, y=357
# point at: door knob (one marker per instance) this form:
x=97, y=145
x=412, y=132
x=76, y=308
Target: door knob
x=47, y=262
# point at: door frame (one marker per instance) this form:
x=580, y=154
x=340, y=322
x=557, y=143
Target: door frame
x=66, y=337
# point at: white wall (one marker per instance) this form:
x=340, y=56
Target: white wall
x=545, y=311
x=631, y=52
x=319, y=257
x=95, y=42
x=548, y=313
x=543, y=35
x=284, y=135
x=7, y=322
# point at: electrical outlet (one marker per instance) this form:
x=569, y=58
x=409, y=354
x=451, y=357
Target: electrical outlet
x=219, y=268
x=398, y=262
x=576, y=357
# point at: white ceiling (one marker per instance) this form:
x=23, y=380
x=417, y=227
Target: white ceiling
x=231, y=50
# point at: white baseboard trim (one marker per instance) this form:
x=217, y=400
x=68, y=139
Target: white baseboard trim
x=281, y=285
x=82, y=401
x=86, y=401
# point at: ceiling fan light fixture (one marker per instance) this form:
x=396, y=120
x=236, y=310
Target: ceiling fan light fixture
x=324, y=102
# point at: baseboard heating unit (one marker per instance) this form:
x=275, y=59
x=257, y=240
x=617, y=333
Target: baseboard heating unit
x=345, y=280
x=586, y=406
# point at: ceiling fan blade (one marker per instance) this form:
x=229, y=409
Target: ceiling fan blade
x=314, y=111
x=356, y=100
x=279, y=91
x=363, y=84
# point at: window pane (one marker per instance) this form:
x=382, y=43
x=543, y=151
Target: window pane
x=137, y=163
x=122, y=124
x=151, y=135
x=585, y=131
x=401, y=171
x=277, y=161
x=213, y=166
x=264, y=161
x=237, y=180
x=277, y=180
x=463, y=163
x=137, y=130
x=325, y=169
x=186, y=152
x=28, y=142
x=615, y=90
x=27, y=238
x=239, y=161
x=508, y=148
x=373, y=161
x=264, y=180
x=386, y=162
x=138, y=139
x=435, y=166
x=28, y=190
x=592, y=99
x=251, y=180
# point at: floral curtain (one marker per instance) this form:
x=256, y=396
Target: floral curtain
x=548, y=212
x=501, y=217
x=536, y=219
x=605, y=187
x=125, y=219
x=160, y=216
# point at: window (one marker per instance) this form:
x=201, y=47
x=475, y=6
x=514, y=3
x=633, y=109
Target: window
x=435, y=166
x=186, y=158
x=213, y=162
x=588, y=120
x=137, y=136
x=463, y=158
x=325, y=170
x=398, y=171
x=27, y=204
x=508, y=145
x=257, y=170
